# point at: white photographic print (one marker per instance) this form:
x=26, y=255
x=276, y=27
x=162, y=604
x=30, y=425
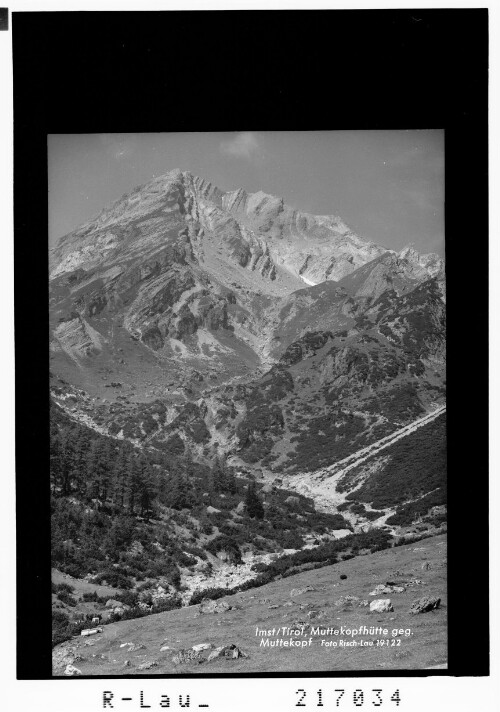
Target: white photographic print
x=248, y=402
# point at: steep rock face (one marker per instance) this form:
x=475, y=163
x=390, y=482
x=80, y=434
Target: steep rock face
x=76, y=338
x=400, y=273
x=313, y=247
x=257, y=231
x=176, y=210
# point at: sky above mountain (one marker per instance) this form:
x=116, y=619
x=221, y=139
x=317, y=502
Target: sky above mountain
x=388, y=186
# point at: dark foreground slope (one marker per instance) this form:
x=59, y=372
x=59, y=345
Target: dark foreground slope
x=414, y=641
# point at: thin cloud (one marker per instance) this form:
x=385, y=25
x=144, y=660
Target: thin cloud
x=243, y=145
x=118, y=146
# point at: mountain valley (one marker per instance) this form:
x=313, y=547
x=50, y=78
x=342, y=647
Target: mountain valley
x=224, y=370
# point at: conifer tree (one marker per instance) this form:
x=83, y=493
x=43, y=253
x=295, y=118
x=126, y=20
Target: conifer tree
x=120, y=476
x=77, y=474
x=98, y=469
x=221, y=477
x=181, y=495
x=254, y=506
x=133, y=483
x=146, y=486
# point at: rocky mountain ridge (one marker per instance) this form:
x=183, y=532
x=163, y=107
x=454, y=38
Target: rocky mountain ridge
x=186, y=311
x=258, y=228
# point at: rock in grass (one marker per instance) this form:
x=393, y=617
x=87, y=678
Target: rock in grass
x=186, y=656
x=202, y=646
x=381, y=605
x=387, y=588
x=378, y=590
x=425, y=604
x=227, y=651
x=216, y=653
x=346, y=600
x=213, y=606
x=90, y=631
x=72, y=670
x=147, y=665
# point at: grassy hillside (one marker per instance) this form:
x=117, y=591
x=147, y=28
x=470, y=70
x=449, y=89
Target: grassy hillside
x=334, y=599
x=416, y=467
x=134, y=519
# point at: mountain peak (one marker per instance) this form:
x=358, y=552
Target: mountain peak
x=431, y=263
x=409, y=252
x=225, y=230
